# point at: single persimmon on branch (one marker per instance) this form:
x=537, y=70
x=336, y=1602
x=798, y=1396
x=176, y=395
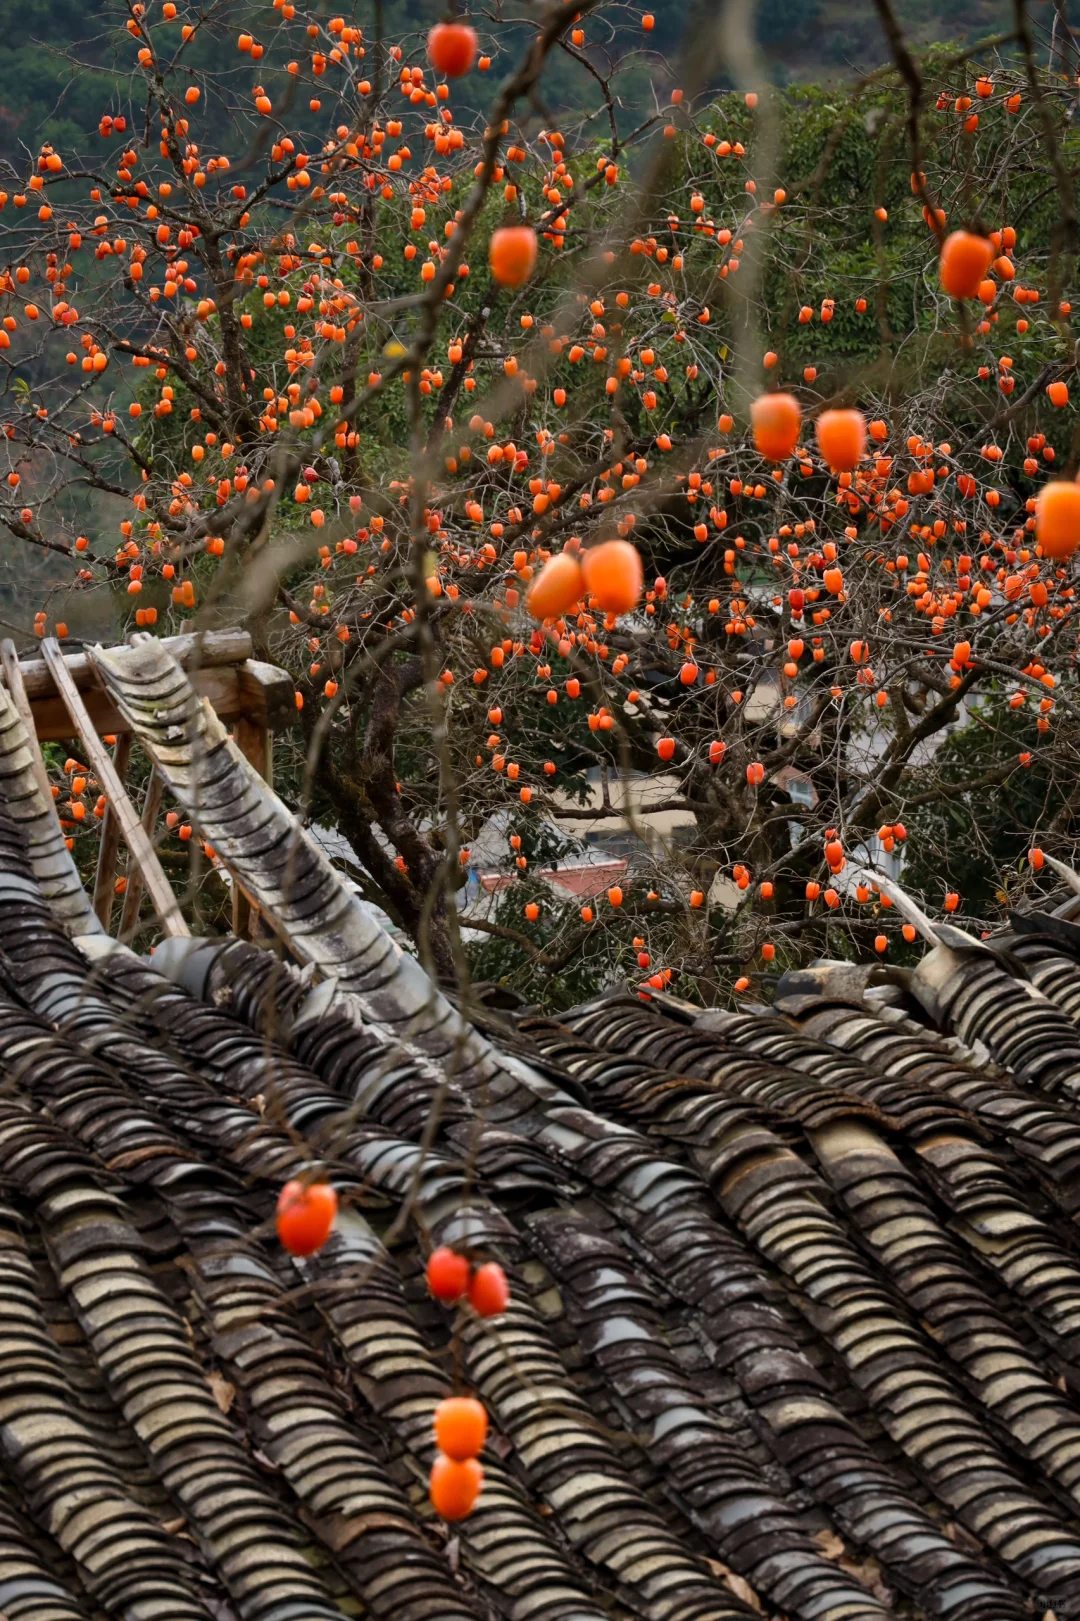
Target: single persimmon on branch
x=662, y=494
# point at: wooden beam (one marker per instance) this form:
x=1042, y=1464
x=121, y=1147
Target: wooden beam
x=253, y=740
x=268, y=696
x=53, y=719
x=158, y=887
x=129, y=916
x=191, y=652
x=232, y=690
x=109, y=847
x=17, y=688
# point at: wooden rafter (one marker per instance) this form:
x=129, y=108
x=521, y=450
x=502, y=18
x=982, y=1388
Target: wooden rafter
x=157, y=885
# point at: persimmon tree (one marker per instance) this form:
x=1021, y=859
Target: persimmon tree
x=349, y=337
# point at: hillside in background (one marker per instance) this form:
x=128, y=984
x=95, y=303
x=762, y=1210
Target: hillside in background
x=43, y=96
x=814, y=39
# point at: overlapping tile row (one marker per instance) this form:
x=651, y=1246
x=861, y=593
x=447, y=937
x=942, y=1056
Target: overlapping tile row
x=568, y=1461
x=617, y=1161
x=1049, y=948
x=90, y=1399
x=297, y=889
x=760, y=1079
x=294, y=1414
x=142, y=1347
x=951, y=1147
x=324, y=1028
x=839, y=1457
x=400, y=1380
x=621, y=1327
x=741, y=1313
x=762, y=1058
x=992, y=1205
x=888, y=1357
x=986, y=1187
x=890, y=1211
x=988, y=1205
x=557, y=1135
x=515, y=1553
x=1006, y=1221
x=782, y=1205
x=891, y=1043
x=363, y=1073
x=30, y=1589
x=622, y=1160
x=510, y=1551
x=981, y=991
x=562, y=1127
x=64, y=1479
x=35, y=817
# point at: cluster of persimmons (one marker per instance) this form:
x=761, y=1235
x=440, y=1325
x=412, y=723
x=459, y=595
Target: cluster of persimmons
x=306, y=1214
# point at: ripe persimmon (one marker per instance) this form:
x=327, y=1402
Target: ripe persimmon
x=556, y=588
x=965, y=260
x=512, y=254
x=841, y=437
x=455, y=1486
x=452, y=48
x=461, y=1427
x=489, y=1292
x=613, y=575
x=305, y=1216
x=1057, y=518
x=776, y=420
x=448, y=1275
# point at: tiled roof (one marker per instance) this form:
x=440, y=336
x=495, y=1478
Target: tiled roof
x=795, y=1316
x=581, y=879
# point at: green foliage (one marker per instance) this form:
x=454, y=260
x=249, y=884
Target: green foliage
x=44, y=95
x=964, y=841
x=505, y=962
